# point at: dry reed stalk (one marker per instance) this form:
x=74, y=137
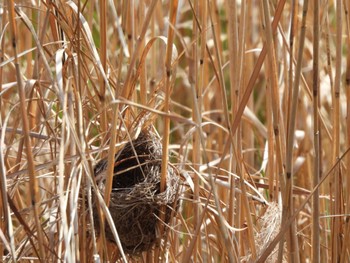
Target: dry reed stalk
x=274, y=93
x=197, y=34
x=143, y=74
x=317, y=150
x=346, y=245
x=103, y=56
x=248, y=138
x=288, y=209
x=289, y=93
x=324, y=253
x=234, y=87
x=6, y=224
x=201, y=82
x=81, y=238
x=337, y=208
x=170, y=72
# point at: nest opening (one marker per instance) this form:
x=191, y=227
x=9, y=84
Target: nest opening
x=136, y=199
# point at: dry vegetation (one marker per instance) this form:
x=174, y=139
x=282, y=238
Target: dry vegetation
x=250, y=100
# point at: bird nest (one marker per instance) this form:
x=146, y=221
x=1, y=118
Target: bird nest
x=136, y=199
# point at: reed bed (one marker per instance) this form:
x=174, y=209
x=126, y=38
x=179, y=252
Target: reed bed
x=248, y=102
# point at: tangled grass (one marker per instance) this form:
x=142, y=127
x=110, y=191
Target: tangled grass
x=250, y=100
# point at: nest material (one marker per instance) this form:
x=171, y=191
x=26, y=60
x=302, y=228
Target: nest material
x=136, y=199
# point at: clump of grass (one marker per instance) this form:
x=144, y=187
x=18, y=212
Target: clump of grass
x=249, y=98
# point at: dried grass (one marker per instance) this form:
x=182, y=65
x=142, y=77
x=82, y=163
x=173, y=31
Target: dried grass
x=251, y=102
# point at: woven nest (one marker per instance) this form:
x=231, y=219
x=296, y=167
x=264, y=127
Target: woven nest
x=136, y=199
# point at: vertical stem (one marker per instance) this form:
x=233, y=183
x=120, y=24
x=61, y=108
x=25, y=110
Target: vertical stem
x=170, y=75
x=293, y=22
x=4, y=208
x=234, y=87
x=196, y=135
x=316, y=174
x=346, y=246
x=274, y=87
x=169, y=72
x=327, y=241
x=336, y=223
x=104, y=124
x=103, y=55
x=143, y=74
x=288, y=197
x=5, y=212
